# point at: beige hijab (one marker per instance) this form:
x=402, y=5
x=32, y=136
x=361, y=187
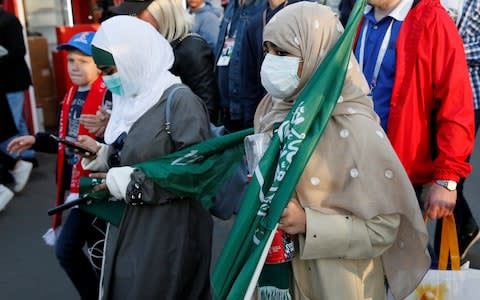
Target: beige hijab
x=354, y=168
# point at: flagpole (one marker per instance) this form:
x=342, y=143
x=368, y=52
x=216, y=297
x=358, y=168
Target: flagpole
x=253, y=282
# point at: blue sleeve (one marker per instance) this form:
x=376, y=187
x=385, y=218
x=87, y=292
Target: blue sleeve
x=251, y=56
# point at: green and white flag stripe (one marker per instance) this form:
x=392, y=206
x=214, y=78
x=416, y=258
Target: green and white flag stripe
x=279, y=170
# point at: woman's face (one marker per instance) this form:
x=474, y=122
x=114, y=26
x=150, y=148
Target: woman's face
x=272, y=49
x=112, y=80
x=194, y=4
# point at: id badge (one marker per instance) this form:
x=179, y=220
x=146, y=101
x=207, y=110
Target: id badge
x=227, y=51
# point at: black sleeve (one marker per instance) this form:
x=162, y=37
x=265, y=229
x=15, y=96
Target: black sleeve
x=12, y=41
x=44, y=143
x=345, y=9
x=14, y=72
x=194, y=64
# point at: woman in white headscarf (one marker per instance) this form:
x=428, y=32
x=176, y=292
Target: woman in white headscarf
x=161, y=249
x=354, y=210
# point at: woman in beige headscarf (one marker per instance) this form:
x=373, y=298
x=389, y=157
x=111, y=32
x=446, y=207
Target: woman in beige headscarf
x=354, y=209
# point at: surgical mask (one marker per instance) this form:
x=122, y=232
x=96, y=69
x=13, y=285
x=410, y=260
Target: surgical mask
x=279, y=75
x=114, y=84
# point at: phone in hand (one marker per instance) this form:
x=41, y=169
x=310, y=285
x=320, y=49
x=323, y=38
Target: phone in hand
x=72, y=145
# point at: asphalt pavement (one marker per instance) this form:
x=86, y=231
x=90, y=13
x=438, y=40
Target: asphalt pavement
x=29, y=269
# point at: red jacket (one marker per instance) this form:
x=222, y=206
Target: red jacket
x=431, y=94
x=93, y=100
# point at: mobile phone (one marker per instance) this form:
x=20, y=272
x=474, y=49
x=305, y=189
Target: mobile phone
x=72, y=145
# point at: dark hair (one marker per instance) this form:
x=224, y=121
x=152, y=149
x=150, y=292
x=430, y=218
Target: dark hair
x=1, y=2
x=73, y=49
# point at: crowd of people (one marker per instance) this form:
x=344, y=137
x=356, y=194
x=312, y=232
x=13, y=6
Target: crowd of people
x=396, y=146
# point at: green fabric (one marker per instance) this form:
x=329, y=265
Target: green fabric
x=110, y=211
x=102, y=57
x=270, y=276
x=197, y=171
x=280, y=169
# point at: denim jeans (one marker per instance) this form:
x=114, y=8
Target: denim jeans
x=15, y=101
x=80, y=228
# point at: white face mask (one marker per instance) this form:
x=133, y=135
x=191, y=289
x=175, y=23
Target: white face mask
x=279, y=75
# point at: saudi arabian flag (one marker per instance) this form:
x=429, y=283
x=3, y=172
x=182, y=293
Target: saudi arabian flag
x=276, y=176
x=197, y=172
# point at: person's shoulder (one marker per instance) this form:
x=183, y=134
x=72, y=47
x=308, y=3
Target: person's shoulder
x=253, y=6
x=256, y=21
x=210, y=11
x=210, y=16
x=8, y=18
x=428, y=9
x=429, y=14
x=191, y=44
x=181, y=94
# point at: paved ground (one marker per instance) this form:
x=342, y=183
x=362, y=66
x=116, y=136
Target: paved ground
x=28, y=268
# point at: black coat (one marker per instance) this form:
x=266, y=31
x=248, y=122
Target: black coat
x=194, y=64
x=14, y=73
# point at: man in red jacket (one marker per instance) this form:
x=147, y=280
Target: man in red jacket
x=413, y=58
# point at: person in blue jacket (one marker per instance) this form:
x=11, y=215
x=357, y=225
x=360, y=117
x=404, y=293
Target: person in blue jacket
x=206, y=20
x=229, y=62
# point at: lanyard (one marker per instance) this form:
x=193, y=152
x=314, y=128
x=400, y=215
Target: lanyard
x=381, y=53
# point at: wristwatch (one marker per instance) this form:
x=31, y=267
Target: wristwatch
x=448, y=184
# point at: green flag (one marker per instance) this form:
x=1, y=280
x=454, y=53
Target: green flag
x=98, y=203
x=197, y=172
x=279, y=170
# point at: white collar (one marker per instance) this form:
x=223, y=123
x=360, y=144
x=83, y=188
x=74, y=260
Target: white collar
x=399, y=13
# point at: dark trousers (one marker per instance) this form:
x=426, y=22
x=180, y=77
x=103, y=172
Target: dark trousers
x=462, y=212
x=81, y=228
x=6, y=163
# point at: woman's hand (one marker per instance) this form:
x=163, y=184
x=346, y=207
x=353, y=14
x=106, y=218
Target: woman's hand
x=294, y=219
x=87, y=142
x=102, y=185
x=20, y=144
x=96, y=123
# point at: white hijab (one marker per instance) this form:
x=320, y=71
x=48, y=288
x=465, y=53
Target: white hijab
x=142, y=57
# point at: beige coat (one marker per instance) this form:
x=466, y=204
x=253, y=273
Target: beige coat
x=363, y=220
x=331, y=264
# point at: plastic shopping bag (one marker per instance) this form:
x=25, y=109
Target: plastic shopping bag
x=457, y=283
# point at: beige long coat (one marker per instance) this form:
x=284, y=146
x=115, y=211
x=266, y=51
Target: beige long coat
x=363, y=222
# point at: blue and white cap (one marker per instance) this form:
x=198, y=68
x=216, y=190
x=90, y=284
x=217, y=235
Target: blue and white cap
x=81, y=41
